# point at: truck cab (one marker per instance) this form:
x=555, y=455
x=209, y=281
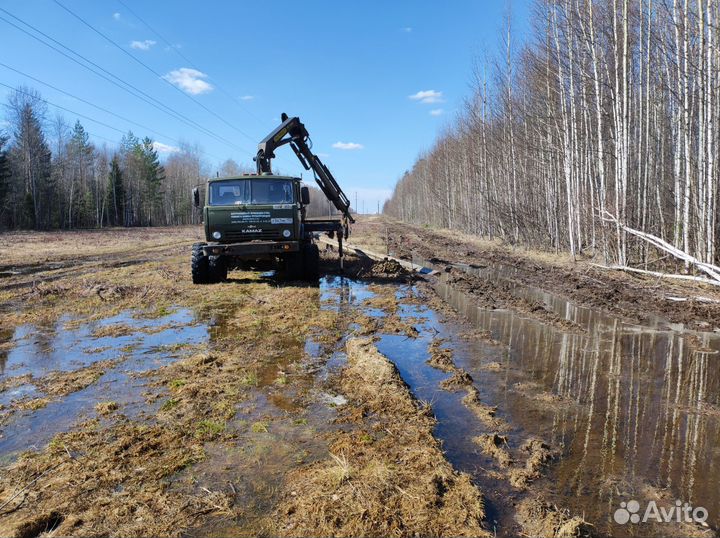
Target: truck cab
x=252, y=208
x=253, y=218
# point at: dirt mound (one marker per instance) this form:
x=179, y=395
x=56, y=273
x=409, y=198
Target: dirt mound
x=440, y=357
x=540, y=518
x=392, y=481
x=387, y=269
x=629, y=296
x=539, y=455
x=493, y=444
x=459, y=380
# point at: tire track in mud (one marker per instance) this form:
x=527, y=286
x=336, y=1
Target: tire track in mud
x=519, y=467
x=394, y=474
x=50, y=272
x=630, y=297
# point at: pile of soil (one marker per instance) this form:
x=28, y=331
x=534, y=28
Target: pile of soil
x=387, y=269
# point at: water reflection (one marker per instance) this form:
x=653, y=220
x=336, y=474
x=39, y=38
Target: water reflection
x=638, y=407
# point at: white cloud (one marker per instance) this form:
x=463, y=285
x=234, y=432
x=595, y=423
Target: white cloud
x=189, y=80
x=164, y=149
x=407, y=29
x=142, y=45
x=436, y=112
x=347, y=145
x=247, y=97
x=427, y=97
x=116, y=16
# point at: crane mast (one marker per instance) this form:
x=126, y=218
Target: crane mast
x=292, y=131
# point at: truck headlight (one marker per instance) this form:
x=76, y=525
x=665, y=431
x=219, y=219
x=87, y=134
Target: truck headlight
x=286, y=233
x=217, y=235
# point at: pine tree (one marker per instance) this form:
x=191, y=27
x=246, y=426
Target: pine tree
x=131, y=164
x=153, y=176
x=4, y=177
x=30, y=160
x=116, y=193
x=81, y=154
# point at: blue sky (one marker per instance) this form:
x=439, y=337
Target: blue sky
x=348, y=69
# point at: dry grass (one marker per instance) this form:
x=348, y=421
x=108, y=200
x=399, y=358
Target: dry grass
x=22, y=249
x=392, y=481
x=541, y=518
x=440, y=357
x=113, y=476
x=58, y=384
x=106, y=408
x=538, y=456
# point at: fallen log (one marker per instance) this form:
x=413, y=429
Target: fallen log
x=658, y=274
x=713, y=271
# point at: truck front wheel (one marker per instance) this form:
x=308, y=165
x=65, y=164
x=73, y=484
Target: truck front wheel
x=217, y=269
x=200, y=265
x=293, y=265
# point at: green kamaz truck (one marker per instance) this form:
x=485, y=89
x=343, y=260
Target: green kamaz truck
x=260, y=219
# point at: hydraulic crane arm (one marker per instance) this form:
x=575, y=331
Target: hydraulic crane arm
x=292, y=131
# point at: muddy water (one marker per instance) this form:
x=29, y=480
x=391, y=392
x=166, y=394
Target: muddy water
x=142, y=344
x=635, y=410
x=281, y=426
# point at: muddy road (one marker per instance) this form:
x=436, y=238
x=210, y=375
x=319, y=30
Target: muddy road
x=489, y=398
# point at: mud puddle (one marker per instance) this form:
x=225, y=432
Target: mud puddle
x=282, y=425
x=56, y=375
x=633, y=411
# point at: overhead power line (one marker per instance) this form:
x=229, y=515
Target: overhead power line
x=151, y=70
x=115, y=80
x=189, y=61
x=102, y=109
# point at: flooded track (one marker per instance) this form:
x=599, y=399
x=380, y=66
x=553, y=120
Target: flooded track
x=628, y=411
x=635, y=410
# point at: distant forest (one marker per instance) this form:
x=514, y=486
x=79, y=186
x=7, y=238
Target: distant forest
x=599, y=135
x=53, y=177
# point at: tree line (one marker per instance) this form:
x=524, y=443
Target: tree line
x=597, y=134
x=53, y=177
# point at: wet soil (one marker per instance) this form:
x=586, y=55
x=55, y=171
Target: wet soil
x=374, y=402
x=632, y=297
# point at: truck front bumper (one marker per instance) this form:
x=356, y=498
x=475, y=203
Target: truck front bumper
x=251, y=248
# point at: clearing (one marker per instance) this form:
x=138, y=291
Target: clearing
x=511, y=392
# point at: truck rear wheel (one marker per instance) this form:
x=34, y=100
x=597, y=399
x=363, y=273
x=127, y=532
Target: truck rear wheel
x=217, y=269
x=200, y=265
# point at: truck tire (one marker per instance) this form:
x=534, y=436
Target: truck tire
x=311, y=263
x=200, y=265
x=293, y=265
x=217, y=269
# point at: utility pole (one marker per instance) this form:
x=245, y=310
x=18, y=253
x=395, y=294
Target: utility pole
x=356, y=206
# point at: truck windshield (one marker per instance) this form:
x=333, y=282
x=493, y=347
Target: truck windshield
x=251, y=191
